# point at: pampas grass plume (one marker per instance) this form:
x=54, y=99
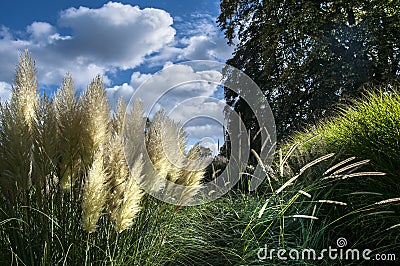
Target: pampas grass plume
x=130, y=204
x=94, y=193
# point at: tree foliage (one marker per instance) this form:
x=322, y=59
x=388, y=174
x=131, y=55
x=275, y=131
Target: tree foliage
x=308, y=56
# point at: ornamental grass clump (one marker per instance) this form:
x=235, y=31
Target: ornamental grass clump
x=299, y=207
x=367, y=129
x=365, y=135
x=69, y=167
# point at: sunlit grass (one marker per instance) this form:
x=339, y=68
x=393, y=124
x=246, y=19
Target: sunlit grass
x=68, y=197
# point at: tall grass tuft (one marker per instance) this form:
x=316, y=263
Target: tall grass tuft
x=192, y=176
x=310, y=198
x=368, y=129
x=366, y=136
x=25, y=96
x=303, y=209
x=64, y=175
x=96, y=118
x=166, y=144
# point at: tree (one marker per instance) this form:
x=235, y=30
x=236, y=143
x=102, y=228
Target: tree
x=310, y=56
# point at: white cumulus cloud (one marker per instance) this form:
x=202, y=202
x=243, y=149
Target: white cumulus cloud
x=112, y=37
x=206, y=47
x=105, y=40
x=41, y=31
x=186, y=95
x=116, y=34
x=5, y=91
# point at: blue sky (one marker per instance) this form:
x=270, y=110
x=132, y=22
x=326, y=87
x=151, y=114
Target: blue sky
x=124, y=41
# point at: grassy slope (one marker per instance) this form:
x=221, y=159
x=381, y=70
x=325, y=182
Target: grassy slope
x=370, y=129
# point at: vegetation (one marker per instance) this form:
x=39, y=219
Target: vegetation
x=335, y=65
x=368, y=130
x=69, y=195
x=337, y=179
x=308, y=56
